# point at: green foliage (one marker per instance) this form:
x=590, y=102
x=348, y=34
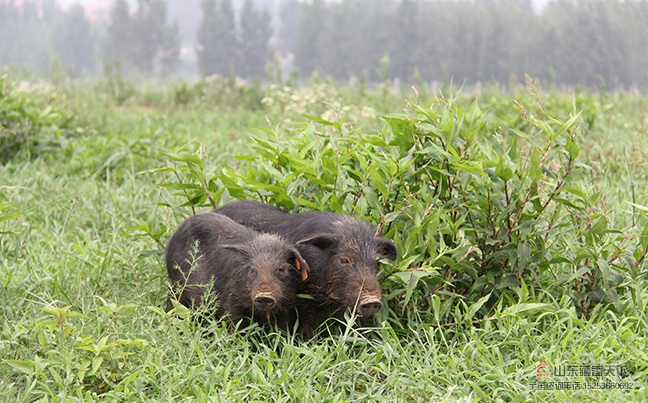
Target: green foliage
x=226, y=93
x=30, y=127
x=83, y=283
x=475, y=207
x=116, y=85
x=8, y=213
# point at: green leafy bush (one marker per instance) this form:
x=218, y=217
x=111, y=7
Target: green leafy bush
x=83, y=282
x=25, y=125
x=476, y=208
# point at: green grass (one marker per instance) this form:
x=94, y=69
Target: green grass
x=83, y=284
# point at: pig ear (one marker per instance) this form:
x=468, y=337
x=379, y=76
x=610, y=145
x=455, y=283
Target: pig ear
x=386, y=248
x=237, y=248
x=300, y=264
x=322, y=241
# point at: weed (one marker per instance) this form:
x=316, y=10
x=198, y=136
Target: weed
x=522, y=231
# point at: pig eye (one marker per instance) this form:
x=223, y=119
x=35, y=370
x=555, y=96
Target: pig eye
x=345, y=261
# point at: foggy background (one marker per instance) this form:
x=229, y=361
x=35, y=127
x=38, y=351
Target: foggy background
x=593, y=43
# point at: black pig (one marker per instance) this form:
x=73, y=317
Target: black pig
x=254, y=275
x=342, y=253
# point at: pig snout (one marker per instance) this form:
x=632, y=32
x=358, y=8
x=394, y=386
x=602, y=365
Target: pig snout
x=264, y=301
x=368, y=306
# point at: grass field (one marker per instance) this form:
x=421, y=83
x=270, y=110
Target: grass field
x=91, y=192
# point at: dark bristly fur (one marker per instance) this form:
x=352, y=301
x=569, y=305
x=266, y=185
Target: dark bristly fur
x=254, y=275
x=342, y=253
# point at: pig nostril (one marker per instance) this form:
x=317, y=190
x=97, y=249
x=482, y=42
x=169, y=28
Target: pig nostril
x=369, y=307
x=264, y=302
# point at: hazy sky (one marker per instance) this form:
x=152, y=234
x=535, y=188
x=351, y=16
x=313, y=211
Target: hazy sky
x=105, y=4
x=186, y=12
x=94, y=8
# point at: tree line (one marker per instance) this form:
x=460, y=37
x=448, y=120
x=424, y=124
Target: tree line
x=574, y=42
x=134, y=40
x=593, y=42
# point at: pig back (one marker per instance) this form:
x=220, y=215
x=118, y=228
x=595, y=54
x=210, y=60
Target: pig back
x=194, y=256
x=292, y=227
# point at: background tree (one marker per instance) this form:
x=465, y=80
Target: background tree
x=217, y=41
x=464, y=45
x=74, y=41
x=593, y=43
x=8, y=32
x=334, y=42
x=24, y=32
x=405, y=39
x=120, y=37
x=138, y=41
x=149, y=25
x=431, y=55
x=607, y=51
x=631, y=19
x=207, y=39
x=371, y=41
x=312, y=17
x=290, y=16
x=255, y=34
x=169, y=54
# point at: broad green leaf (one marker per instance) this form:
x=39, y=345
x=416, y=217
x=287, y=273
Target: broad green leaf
x=27, y=367
x=528, y=307
x=503, y=169
x=472, y=309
